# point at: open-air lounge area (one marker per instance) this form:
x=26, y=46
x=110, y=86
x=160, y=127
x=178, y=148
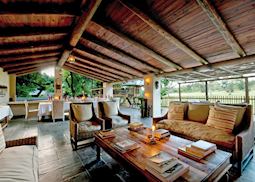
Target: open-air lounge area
x=125, y=90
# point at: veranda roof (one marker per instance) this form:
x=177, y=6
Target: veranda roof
x=116, y=40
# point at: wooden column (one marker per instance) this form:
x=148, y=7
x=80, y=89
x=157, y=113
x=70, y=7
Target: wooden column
x=206, y=90
x=180, y=97
x=12, y=87
x=246, y=83
x=58, y=84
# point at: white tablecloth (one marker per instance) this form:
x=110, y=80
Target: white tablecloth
x=5, y=111
x=45, y=108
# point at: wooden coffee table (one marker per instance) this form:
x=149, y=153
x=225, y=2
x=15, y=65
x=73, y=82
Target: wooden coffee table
x=212, y=168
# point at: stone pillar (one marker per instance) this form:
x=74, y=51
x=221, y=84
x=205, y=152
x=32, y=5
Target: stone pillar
x=152, y=94
x=107, y=90
x=12, y=87
x=58, y=84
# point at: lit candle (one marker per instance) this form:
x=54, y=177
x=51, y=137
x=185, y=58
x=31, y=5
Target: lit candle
x=153, y=130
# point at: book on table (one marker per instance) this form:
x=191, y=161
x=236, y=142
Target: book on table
x=106, y=134
x=135, y=126
x=161, y=133
x=126, y=145
x=165, y=167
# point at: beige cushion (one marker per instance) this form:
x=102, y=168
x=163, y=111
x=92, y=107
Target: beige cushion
x=82, y=112
x=223, y=119
x=2, y=140
x=240, y=112
x=19, y=164
x=196, y=131
x=118, y=121
x=110, y=109
x=198, y=112
x=86, y=129
x=176, y=111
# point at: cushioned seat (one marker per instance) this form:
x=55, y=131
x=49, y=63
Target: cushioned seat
x=118, y=121
x=197, y=131
x=87, y=129
x=19, y=164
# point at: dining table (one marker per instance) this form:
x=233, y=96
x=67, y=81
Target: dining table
x=5, y=115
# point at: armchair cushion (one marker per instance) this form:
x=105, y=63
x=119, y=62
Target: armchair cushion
x=118, y=121
x=19, y=164
x=86, y=129
x=2, y=140
x=82, y=112
x=110, y=108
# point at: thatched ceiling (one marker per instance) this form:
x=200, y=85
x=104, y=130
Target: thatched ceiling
x=116, y=40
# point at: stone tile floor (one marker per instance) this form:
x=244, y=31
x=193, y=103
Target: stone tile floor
x=58, y=162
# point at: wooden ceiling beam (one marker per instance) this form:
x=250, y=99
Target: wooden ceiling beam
x=108, y=61
x=29, y=62
x=7, y=60
x=20, y=68
x=160, y=30
x=104, y=78
x=118, y=51
x=30, y=49
x=221, y=26
x=84, y=74
x=26, y=72
x=96, y=70
x=230, y=71
x=202, y=74
x=100, y=66
x=141, y=47
x=226, y=63
x=79, y=28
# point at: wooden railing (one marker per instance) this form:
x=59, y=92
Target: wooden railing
x=223, y=99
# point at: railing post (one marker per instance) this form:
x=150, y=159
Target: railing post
x=206, y=91
x=180, y=97
x=246, y=83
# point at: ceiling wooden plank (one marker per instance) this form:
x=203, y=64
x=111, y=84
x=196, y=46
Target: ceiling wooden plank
x=101, y=66
x=160, y=30
x=109, y=61
x=26, y=72
x=118, y=51
x=29, y=62
x=141, y=47
x=7, y=60
x=20, y=68
x=96, y=70
x=213, y=15
x=30, y=49
x=79, y=29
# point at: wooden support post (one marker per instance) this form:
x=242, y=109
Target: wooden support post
x=206, y=90
x=180, y=97
x=246, y=83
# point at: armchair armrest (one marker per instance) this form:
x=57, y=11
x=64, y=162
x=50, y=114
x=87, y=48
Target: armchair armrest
x=244, y=142
x=23, y=141
x=156, y=120
x=108, y=123
x=73, y=128
x=127, y=117
x=100, y=121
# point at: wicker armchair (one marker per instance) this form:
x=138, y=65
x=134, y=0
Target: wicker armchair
x=83, y=124
x=110, y=112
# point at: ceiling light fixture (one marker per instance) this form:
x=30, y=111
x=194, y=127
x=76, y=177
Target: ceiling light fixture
x=71, y=59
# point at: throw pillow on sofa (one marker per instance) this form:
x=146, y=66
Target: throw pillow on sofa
x=198, y=112
x=176, y=111
x=2, y=140
x=240, y=112
x=223, y=119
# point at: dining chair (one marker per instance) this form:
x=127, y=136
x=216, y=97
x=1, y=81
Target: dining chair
x=31, y=109
x=58, y=110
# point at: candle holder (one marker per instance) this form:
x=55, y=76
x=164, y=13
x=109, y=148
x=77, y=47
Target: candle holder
x=152, y=140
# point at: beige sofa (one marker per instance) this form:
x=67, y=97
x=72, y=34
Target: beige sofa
x=18, y=160
x=240, y=142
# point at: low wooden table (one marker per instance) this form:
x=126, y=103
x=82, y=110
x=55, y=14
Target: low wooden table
x=211, y=168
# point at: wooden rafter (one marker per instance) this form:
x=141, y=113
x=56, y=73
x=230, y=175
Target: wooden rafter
x=118, y=51
x=221, y=26
x=93, y=74
x=30, y=49
x=96, y=70
x=79, y=29
x=29, y=71
x=20, y=68
x=101, y=66
x=160, y=30
x=7, y=60
x=29, y=62
x=109, y=61
x=230, y=71
x=202, y=74
x=141, y=47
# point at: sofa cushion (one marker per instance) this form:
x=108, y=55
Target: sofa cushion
x=118, y=121
x=19, y=164
x=223, y=119
x=86, y=129
x=240, y=112
x=110, y=108
x=2, y=140
x=198, y=112
x=196, y=131
x=176, y=111
x=82, y=112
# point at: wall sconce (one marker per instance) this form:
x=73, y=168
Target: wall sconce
x=57, y=98
x=71, y=59
x=147, y=95
x=147, y=81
